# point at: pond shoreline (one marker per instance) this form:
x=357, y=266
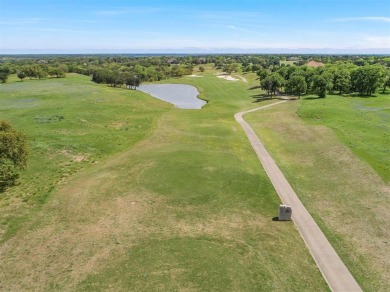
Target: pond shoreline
x=182, y=96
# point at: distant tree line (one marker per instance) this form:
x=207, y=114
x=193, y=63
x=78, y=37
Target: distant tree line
x=113, y=70
x=133, y=76
x=284, y=72
x=340, y=78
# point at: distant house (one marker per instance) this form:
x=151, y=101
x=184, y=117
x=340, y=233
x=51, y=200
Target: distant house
x=173, y=61
x=202, y=60
x=42, y=62
x=315, y=64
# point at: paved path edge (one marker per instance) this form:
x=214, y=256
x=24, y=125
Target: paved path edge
x=329, y=263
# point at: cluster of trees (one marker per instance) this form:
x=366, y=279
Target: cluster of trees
x=13, y=154
x=41, y=71
x=115, y=78
x=34, y=70
x=333, y=78
x=133, y=76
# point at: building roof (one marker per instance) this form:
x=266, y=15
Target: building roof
x=315, y=64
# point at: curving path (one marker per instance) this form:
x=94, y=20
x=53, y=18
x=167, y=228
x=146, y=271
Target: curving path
x=332, y=268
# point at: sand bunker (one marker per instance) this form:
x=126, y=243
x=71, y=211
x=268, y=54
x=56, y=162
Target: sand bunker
x=194, y=76
x=227, y=77
x=242, y=78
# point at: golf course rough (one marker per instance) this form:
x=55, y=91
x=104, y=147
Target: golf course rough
x=139, y=194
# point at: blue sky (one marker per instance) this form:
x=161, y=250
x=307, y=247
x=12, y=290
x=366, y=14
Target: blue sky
x=87, y=26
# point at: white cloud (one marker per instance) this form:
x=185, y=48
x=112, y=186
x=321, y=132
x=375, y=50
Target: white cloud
x=21, y=21
x=365, y=18
x=237, y=28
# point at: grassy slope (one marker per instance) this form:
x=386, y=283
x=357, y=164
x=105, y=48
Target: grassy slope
x=362, y=124
x=181, y=205
x=347, y=196
x=69, y=123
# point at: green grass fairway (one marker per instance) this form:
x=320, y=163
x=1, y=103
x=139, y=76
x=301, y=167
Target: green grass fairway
x=335, y=154
x=126, y=193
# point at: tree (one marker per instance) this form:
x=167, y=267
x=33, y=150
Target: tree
x=201, y=69
x=189, y=68
x=137, y=82
x=42, y=73
x=271, y=83
x=263, y=73
x=57, y=72
x=132, y=82
x=386, y=80
x=13, y=154
x=110, y=78
x=3, y=77
x=30, y=71
x=367, y=79
x=321, y=85
x=21, y=75
x=342, y=81
x=297, y=85
x=266, y=84
x=230, y=68
x=178, y=71
x=4, y=73
x=100, y=76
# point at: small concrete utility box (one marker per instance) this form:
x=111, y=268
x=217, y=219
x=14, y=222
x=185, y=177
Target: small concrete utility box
x=284, y=213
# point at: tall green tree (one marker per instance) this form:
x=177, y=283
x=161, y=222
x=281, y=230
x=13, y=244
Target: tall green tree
x=13, y=154
x=230, y=68
x=263, y=73
x=21, y=75
x=321, y=85
x=386, y=80
x=57, y=72
x=3, y=77
x=296, y=85
x=366, y=79
x=342, y=81
x=5, y=71
x=271, y=83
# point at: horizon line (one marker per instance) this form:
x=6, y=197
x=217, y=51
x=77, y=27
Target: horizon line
x=198, y=51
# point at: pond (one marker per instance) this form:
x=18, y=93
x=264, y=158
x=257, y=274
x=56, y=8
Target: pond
x=181, y=95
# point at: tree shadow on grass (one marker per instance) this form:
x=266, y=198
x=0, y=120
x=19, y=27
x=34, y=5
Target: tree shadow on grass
x=254, y=87
x=10, y=182
x=312, y=98
x=260, y=98
x=264, y=97
x=362, y=96
x=3, y=187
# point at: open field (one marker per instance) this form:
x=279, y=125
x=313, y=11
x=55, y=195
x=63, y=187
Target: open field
x=125, y=192
x=334, y=153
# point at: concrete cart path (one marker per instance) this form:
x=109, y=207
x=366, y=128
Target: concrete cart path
x=332, y=268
